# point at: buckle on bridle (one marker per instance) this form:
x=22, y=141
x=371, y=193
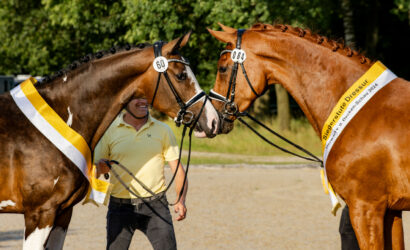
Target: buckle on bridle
x=184, y=117
x=230, y=108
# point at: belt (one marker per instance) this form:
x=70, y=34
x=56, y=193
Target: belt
x=136, y=201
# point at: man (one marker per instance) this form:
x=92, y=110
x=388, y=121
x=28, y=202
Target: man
x=347, y=235
x=141, y=144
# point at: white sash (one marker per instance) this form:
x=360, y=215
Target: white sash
x=50, y=124
x=347, y=107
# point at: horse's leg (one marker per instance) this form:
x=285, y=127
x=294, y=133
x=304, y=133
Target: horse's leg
x=63, y=216
x=58, y=233
x=38, y=222
x=393, y=230
x=367, y=220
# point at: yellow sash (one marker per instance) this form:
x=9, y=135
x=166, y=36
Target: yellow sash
x=346, y=108
x=50, y=124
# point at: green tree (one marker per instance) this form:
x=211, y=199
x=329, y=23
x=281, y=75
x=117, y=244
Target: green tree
x=39, y=37
x=402, y=9
x=167, y=19
x=42, y=36
x=21, y=26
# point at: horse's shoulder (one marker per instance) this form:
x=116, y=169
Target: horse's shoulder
x=9, y=109
x=13, y=122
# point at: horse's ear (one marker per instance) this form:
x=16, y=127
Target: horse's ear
x=222, y=36
x=173, y=46
x=227, y=28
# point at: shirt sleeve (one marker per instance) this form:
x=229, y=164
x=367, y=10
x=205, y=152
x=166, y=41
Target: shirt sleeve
x=170, y=149
x=102, y=149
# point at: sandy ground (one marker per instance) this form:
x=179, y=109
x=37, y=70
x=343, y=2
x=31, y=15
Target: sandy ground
x=228, y=208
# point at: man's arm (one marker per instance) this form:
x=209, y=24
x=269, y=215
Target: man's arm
x=179, y=180
x=101, y=153
x=102, y=167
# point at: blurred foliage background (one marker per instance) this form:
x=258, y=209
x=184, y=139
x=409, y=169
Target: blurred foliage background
x=39, y=37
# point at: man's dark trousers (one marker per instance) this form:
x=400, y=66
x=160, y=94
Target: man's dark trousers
x=152, y=218
x=347, y=235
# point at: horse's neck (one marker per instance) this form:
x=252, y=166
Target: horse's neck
x=314, y=75
x=92, y=96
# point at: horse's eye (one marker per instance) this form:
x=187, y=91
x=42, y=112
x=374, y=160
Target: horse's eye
x=222, y=69
x=182, y=76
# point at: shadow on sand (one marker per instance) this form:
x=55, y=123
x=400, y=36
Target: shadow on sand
x=11, y=235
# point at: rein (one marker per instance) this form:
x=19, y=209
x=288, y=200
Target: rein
x=238, y=56
x=184, y=116
x=313, y=157
x=109, y=164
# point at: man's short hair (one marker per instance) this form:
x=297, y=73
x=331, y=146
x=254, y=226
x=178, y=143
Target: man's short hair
x=139, y=95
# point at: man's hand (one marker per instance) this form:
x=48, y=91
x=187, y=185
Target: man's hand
x=102, y=167
x=181, y=209
x=179, y=182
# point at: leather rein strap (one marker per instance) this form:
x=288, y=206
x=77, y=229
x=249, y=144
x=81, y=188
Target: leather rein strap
x=191, y=122
x=132, y=189
x=312, y=156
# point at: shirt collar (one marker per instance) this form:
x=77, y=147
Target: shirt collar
x=121, y=122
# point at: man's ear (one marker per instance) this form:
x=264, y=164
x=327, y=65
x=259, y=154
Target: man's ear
x=222, y=36
x=173, y=46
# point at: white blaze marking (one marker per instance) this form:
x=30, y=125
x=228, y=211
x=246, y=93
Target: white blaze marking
x=70, y=117
x=193, y=79
x=55, y=180
x=7, y=203
x=56, y=239
x=36, y=240
x=210, y=112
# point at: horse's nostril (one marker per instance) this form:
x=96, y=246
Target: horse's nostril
x=214, y=124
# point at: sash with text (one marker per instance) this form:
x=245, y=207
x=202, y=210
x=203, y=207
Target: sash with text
x=347, y=107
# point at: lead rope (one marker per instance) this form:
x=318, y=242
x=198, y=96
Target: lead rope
x=189, y=155
x=140, y=182
x=176, y=170
x=313, y=157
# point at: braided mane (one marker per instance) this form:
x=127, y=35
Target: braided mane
x=335, y=46
x=92, y=57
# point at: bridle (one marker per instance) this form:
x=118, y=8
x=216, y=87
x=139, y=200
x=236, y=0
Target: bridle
x=238, y=56
x=230, y=108
x=184, y=116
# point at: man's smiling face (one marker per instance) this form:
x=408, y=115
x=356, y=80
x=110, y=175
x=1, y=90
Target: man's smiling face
x=138, y=106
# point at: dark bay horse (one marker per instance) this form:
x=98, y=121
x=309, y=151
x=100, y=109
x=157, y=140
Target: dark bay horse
x=36, y=179
x=369, y=164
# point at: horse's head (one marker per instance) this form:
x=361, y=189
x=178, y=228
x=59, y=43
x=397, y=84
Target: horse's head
x=170, y=85
x=240, y=78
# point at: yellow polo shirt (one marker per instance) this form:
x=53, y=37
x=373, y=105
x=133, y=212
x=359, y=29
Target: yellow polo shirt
x=143, y=152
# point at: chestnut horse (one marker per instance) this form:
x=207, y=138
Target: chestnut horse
x=36, y=179
x=369, y=165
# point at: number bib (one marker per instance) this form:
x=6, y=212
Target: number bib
x=160, y=64
x=238, y=55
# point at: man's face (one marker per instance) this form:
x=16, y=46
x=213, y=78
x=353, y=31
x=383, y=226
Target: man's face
x=138, y=106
